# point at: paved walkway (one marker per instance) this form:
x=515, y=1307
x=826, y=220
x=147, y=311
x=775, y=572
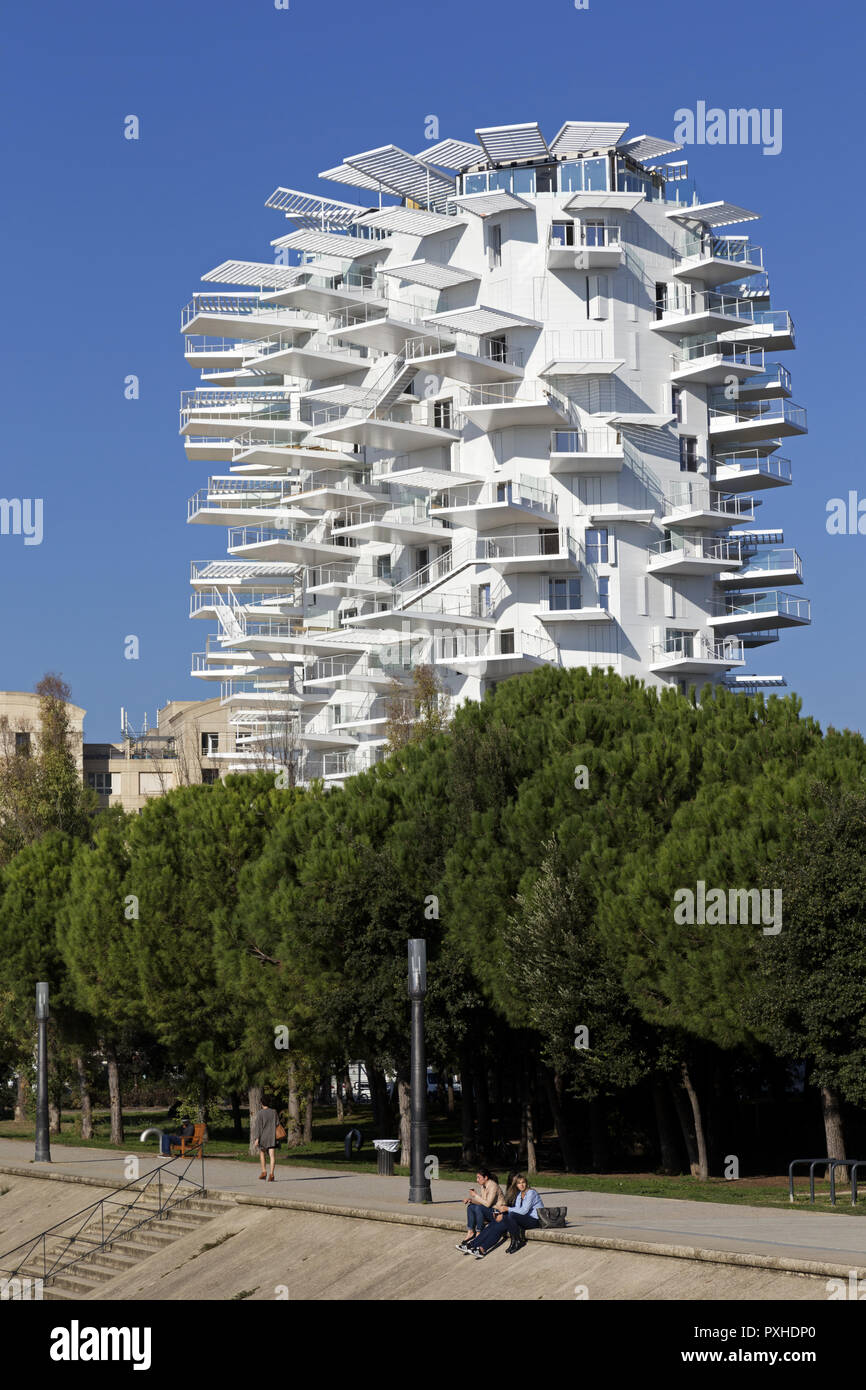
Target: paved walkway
x=782, y=1239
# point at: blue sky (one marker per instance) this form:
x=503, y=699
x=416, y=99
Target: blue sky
x=105, y=240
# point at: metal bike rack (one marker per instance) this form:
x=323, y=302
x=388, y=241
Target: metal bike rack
x=813, y=1164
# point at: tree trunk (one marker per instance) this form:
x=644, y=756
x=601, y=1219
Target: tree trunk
x=669, y=1161
x=482, y=1110
x=703, y=1166
x=237, y=1131
x=339, y=1090
x=832, y=1115
x=308, y=1118
x=295, y=1134
x=528, y=1130
x=84, y=1092
x=53, y=1117
x=114, y=1099
x=404, y=1099
x=598, y=1135
x=254, y=1096
x=21, y=1093
x=449, y=1091
x=553, y=1101
x=467, y=1113
x=350, y=1097
x=202, y=1103
x=686, y=1127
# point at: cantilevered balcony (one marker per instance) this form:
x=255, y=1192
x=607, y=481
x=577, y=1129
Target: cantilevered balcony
x=498, y=405
x=713, y=364
x=498, y=653
x=404, y=431
x=326, y=293
x=364, y=671
x=254, y=453
x=443, y=609
x=552, y=550
x=743, y=613
x=586, y=451
x=771, y=329
x=695, y=503
x=211, y=507
x=460, y=357
x=341, y=579
x=773, y=383
x=206, y=353
x=694, y=654
x=684, y=312
x=242, y=315
x=296, y=544
x=692, y=555
x=781, y=565
x=383, y=327
x=757, y=420
x=228, y=414
x=485, y=506
x=316, y=356
x=750, y=468
x=386, y=525
x=716, y=260
x=584, y=246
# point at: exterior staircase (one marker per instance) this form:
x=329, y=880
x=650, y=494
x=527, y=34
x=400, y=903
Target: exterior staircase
x=87, y=1263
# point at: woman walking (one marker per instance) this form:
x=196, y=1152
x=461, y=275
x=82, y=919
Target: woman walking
x=265, y=1137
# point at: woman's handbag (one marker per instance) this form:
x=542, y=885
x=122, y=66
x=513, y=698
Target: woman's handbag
x=281, y=1131
x=550, y=1217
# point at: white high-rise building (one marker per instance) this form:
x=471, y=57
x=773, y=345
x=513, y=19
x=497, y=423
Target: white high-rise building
x=520, y=407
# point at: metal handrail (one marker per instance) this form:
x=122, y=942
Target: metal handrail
x=98, y=1207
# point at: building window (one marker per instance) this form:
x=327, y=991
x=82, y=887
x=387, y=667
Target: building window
x=442, y=415
x=562, y=234
x=209, y=745
x=680, y=641
x=497, y=349
x=506, y=642
x=677, y=404
x=688, y=453
x=494, y=246
x=563, y=592
x=594, y=234
x=383, y=567
x=209, y=775
x=597, y=544
x=661, y=299
x=100, y=782
x=22, y=744
x=604, y=592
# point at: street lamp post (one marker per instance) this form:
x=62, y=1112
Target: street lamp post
x=43, y=1143
x=419, y=1183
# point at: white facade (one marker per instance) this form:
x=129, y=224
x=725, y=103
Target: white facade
x=519, y=409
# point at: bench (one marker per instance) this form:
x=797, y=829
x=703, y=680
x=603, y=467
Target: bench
x=196, y=1140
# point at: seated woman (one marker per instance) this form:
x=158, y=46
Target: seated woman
x=480, y=1205
x=524, y=1205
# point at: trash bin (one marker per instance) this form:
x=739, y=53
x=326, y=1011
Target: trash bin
x=385, y=1151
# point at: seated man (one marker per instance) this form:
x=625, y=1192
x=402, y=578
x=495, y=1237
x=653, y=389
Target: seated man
x=187, y=1131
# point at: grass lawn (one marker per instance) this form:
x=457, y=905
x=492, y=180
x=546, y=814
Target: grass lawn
x=326, y=1151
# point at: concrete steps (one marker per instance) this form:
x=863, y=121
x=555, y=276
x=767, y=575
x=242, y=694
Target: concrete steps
x=87, y=1264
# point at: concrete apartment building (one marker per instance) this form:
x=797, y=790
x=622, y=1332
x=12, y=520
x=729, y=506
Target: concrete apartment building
x=513, y=406
x=182, y=749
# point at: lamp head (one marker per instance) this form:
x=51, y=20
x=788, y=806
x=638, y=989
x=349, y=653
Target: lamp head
x=417, y=967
